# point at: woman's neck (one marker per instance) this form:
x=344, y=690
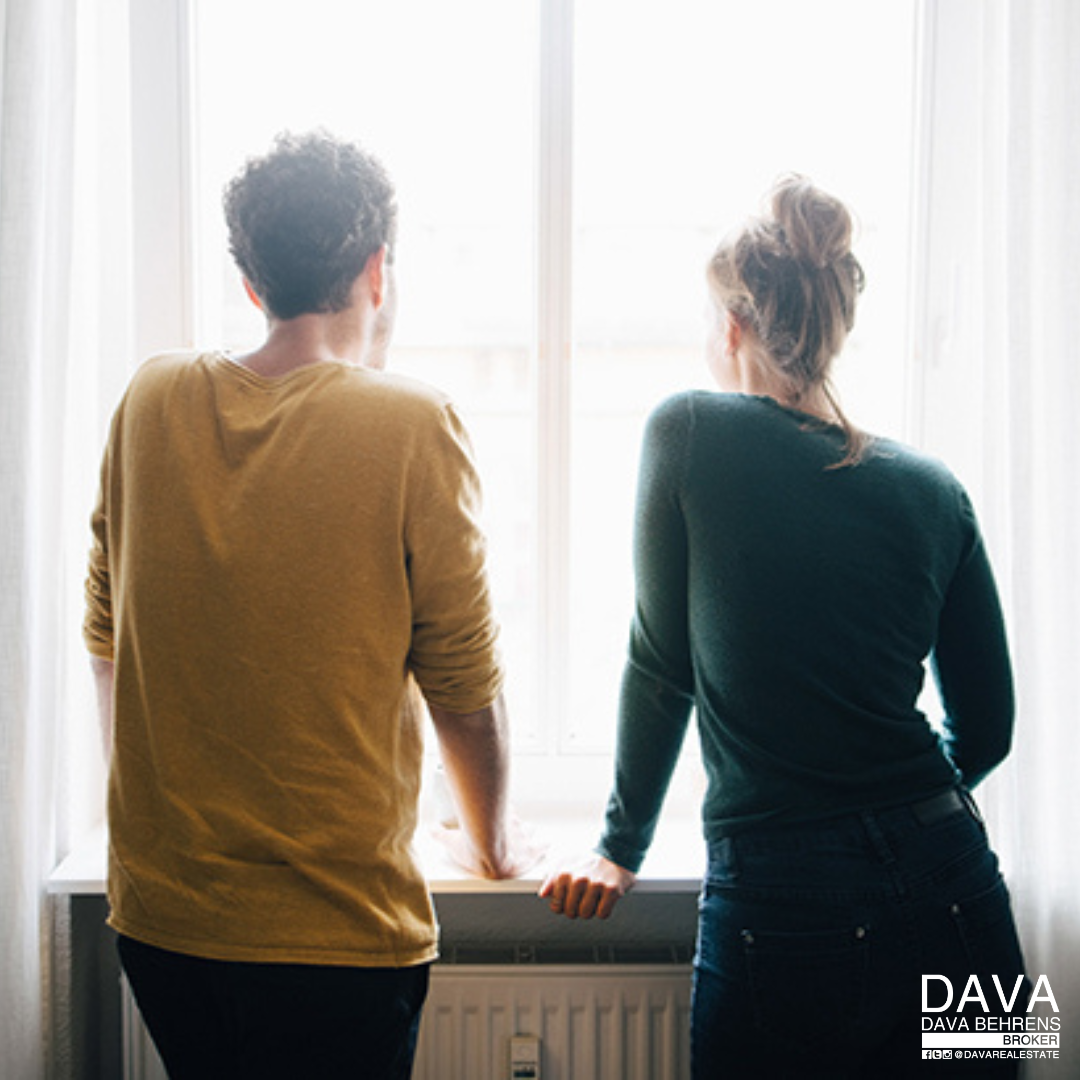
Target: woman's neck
x=757, y=376
x=814, y=402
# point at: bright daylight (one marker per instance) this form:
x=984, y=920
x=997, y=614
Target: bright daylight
x=539, y=539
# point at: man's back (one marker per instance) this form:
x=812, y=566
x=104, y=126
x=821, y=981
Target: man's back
x=284, y=553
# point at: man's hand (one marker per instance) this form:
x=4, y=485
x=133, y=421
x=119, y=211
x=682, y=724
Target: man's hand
x=591, y=887
x=475, y=750
x=521, y=851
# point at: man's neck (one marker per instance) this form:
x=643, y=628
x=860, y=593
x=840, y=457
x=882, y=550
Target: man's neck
x=339, y=337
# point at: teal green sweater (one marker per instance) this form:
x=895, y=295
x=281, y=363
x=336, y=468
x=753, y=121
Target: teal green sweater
x=792, y=607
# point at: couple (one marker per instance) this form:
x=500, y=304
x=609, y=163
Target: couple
x=287, y=566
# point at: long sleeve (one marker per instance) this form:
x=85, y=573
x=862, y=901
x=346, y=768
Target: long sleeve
x=285, y=554
x=972, y=669
x=454, y=653
x=657, y=687
x=98, y=618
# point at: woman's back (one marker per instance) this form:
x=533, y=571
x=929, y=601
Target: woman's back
x=812, y=596
x=792, y=576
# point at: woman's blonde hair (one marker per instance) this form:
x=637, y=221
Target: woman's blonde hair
x=790, y=276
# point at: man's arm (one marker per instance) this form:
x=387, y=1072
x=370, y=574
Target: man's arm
x=103, y=677
x=475, y=749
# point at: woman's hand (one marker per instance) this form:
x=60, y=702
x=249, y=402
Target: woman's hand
x=591, y=887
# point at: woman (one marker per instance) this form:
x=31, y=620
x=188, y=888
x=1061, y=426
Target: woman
x=793, y=574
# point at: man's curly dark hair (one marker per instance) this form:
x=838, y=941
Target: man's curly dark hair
x=305, y=218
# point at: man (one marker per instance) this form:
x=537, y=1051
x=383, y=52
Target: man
x=286, y=548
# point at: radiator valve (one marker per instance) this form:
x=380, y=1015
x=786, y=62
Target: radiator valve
x=524, y=1057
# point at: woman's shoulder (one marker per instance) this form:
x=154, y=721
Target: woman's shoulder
x=718, y=414
x=900, y=458
x=740, y=424
x=702, y=424
x=688, y=406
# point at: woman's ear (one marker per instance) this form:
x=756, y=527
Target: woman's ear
x=731, y=334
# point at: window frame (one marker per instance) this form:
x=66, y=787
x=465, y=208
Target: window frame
x=162, y=176
x=166, y=259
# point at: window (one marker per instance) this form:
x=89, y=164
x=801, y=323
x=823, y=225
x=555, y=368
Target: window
x=564, y=170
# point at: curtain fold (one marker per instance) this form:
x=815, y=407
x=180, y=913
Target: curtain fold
x=996, y=392
x=64, y=281
x=36, y=115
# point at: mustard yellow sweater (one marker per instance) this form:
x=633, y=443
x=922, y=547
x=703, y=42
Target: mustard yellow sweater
x=277, y=563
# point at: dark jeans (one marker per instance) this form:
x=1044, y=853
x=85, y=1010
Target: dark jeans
x=813, y=941
x=211, y=1018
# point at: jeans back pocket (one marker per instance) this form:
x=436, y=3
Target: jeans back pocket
x=808, y=985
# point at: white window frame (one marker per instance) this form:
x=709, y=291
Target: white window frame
x=163, y=233
x=554, y=323
x=165, y=262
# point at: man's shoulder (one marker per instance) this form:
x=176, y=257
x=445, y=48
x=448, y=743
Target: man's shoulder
x=154, y=379
x=389, y=391
x=391, y=403
x=402, y=391
x=166, y=365
x=168, y=369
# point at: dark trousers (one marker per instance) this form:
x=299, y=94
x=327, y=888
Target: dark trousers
x=215, y=1019
x=813, y=942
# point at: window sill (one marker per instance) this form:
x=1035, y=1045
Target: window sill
x=674, y=865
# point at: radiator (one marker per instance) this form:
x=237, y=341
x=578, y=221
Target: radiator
x=592, y=1022
x=140, y=1058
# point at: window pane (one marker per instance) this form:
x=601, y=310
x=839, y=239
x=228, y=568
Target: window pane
x=684, y=117
x=681, y=122
x=443, y=93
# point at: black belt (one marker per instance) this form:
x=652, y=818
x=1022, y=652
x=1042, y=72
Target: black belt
x=938, y=807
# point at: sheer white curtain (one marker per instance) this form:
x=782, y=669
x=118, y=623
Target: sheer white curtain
x=996, y=388
x=62, y=260
x=997, y=393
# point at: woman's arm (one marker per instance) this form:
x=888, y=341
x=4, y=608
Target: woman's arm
x=972, y=668
x=657, y=688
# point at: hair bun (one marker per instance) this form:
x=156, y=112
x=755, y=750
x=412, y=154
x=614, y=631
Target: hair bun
x=815, y=226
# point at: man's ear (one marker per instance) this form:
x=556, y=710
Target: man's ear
x=253, y=296
x=375, y=269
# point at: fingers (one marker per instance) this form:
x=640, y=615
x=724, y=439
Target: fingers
x=580, y=889
x=558, y=891
x=554, y=891
x=607, y=903
x=591, y=901
x=579, y=897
